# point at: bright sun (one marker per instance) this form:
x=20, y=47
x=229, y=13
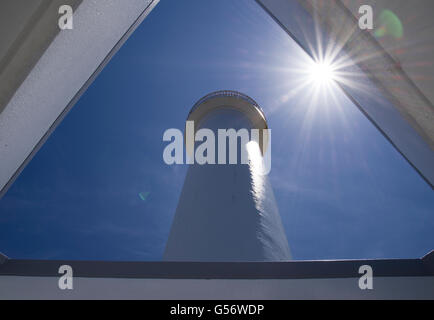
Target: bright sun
x=321, y=73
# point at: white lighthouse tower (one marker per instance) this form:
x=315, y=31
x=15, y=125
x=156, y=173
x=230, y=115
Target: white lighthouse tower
x=227, y=212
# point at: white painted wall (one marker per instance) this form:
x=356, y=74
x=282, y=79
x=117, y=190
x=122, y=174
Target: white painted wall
x=12, y=287
x=227, y=212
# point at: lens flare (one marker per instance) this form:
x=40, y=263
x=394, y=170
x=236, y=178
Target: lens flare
x=143, y=195
x=389, y=25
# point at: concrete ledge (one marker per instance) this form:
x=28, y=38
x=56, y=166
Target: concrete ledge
x=223, y=270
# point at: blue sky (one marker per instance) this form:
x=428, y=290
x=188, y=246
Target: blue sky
x=343, y=191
